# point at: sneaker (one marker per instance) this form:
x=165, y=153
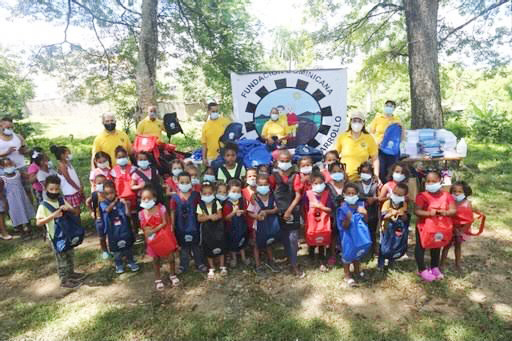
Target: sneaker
x=260, y=270
x=105, y=255
x=223, y=271
x=134, y=267
x=70, y=284
x=202, y=268
x=273, y=266
x=437, y=273
x=350, y=282
x=427, y=276
x=119, y=269
x=78, y=276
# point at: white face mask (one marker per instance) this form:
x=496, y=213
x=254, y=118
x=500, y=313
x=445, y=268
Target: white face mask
x=177, y=171
x=195, y=181
x=185, y=188
x=103, y=165
x=9, y=170
x=209, y=177
x=366, y=176
x=284, y=166
x=351, y=199
x=70, y=157
x=433, y=188
x=147, y=204
x=398, y=177
x=306, y=170
x=397, y=199
x=251, y=182
x=274, y=117
x=8, y=132
x=214, y=115
x=99, y=188
x=356, y=127
x=318, y=188
x=459, y=197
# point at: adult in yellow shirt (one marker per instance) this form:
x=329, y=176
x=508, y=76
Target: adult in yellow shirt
x=151, y=125
x=108, y=140
x=272, y=128
x=378, y=127
x=356, y=146
x=212, y=131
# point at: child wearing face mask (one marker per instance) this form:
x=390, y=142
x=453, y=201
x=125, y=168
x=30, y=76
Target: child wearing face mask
x=194, y=177
x=213, y=238
x=394, y=208
x=103, y=166
x=247, y=194
x=122, y=175
x=460, y=192
x=368, y=192
x=234, y=212
x=171, y=182
x=153, y=218
x=316, y=201
x=70, y=182
x=183, y=205
x=230, y=169
x=93, y=203
x=146, y=175
x=398, y=173
x=222, y=193
x=302, y=182
x=330, y=157
x=36, y=159
x=20, y=208
x=44, y=171
x=114, y=214
x=209, y=175
x=335, y=186
x=433, y=202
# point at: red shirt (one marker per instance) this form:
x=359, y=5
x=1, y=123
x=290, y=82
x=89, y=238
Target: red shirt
x=301, y=183
x=434, y=201
x=247, y=194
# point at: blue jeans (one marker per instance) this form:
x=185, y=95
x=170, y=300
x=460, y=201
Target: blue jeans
x=128, y=253
x=290, y=240
x=196, y=252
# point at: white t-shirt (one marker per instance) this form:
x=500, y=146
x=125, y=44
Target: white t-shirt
x=16, y=156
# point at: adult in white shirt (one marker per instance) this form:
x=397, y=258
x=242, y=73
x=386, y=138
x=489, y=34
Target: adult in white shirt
x=12, y=145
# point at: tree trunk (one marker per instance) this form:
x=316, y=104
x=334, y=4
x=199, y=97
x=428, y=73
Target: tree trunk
x=421, y=22
x=148, y=51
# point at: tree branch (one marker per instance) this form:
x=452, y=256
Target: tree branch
x=120, y=3
x=108, y=21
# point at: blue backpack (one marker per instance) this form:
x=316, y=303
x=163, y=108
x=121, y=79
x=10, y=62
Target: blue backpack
x=390, y=144
x=186, y=225
x=117, y=227
x=68, y=231
x=268, y=229
x=232, y=133
x=393, y=241
x=258, y=156
x=305, y=150
x=356, y=241
x=246, y=145
x=237, y=233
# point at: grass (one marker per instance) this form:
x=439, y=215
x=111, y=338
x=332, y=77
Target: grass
x=475, y=305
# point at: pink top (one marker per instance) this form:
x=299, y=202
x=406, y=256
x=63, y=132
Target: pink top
x=32, y=170
x=138, y=179
x=98, y=171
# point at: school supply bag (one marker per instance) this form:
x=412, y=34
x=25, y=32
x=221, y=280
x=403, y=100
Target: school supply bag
x=232, y=133
x=163, y=242
x=171, y=124
x=267, y=230
x=318, y=222
x=117, y=227
x=236, y=229
x=68, y=231
x=355, y=241
x=390, y=144
x=284, y=193
x=213, y=237
x=480, y=217
x=436, y=231
x=186, y=225
x=305, y=150
x=393, y=241
x=123, y=182
x=258, y=156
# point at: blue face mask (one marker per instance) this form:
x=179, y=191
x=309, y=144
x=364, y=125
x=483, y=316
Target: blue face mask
x=207, y=198
x=144, y=164
x=459, y=197
x=318, y=188
x=9, y=170
x=221, y=197
x=185, y=188
x=398, y=177
x=263, y=190
x=351, y=199
x=366, y=176
x=389, y=110
x=122, y=161
x=234, y=196
x=433, y=188
x=338, y=176
x=209, y=177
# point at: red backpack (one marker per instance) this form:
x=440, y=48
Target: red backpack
x=123, y=182
x=318, y=222
x=437, y=231
x=163, y=242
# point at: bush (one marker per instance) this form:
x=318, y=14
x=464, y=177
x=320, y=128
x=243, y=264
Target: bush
x=490, y=126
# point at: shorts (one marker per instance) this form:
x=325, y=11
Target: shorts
x=74, y=200
x=100, y=228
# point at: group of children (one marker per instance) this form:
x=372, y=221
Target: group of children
x=221, y=216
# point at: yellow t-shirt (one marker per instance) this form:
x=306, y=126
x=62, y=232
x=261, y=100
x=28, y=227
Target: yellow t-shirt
x=380, y=123
x=108, y=142
x=212, y=131
x=271, y=128
x=152, y=128
x=43, y=212
x=355, y=151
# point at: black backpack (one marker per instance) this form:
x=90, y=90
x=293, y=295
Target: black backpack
x=213, y=237
x=284, y=193
x=228, y=176
x=171, y=124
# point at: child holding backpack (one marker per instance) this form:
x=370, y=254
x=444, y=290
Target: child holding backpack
x=318, y=205
x=230, y=169
x=394, y=214
x=146, y=175
x=160, y=241
x=122, y=175
x=302, y=182
x=398, y=173
x=234, y=211
x=263, y=210
x=335, y=187
x=213, y=238
x=49, y=213
x=103, y=166
x=368, y=191
x=183, y=206
x=70, y=182
x=460, y=192
x=115, y=215
x=434, y=209
x=171, y=182
x=93, y=203
x=222, y=193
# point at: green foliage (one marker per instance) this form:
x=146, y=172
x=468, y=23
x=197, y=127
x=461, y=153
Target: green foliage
x=488, y=125
x=15, y=90
x=291, y=50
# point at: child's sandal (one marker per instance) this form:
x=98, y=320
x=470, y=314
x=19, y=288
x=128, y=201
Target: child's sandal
x=159, y=285
x=175, y=281
x=223, y=271
x=211, y=274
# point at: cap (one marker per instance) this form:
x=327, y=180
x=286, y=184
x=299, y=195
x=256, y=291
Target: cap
x=358, y=114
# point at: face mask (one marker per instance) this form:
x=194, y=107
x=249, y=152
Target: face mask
x=177, y=171
x=459, y=197
x=351, y=199
x=221, y=197
x=69, y=157
x=398, y=177
x=147, y=204
x=214, y=115
x=99, y=188
x=396, y=199
x=433, y=188
x=144, y=164
x=234, y=196
x=50, y=164
x=207, y=198
x=195, y=181
x=185, y=188
x=306, y=170
x=9, y=170
x=122, y=161
x=8, y=132
x=274, y=117
x=356, y=127
x=263, y=190
x=365, y=176
x=152, y=115
x=251, y=182
x=209, y=177
x=110, y=126
x=318, y=188
x=103, y=165
x=338, y=176
x=52, y=196
x=389, y=110
x=284, y=166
